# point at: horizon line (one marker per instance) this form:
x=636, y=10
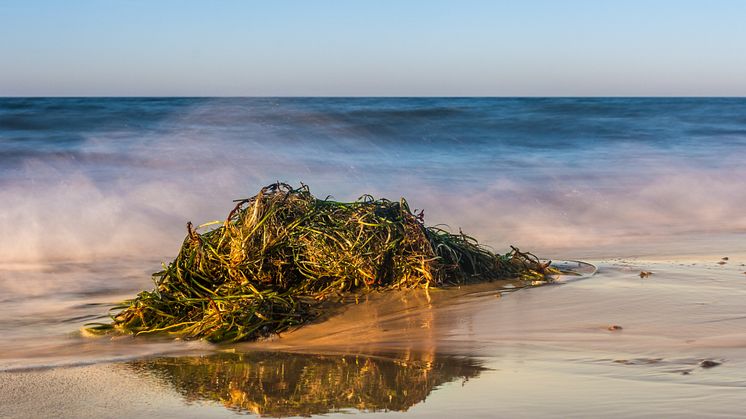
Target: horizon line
x=372, y=96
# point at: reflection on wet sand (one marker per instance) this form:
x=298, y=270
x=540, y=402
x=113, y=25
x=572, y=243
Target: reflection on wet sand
x=291, y=384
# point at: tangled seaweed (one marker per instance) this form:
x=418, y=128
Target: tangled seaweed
x=283, y=252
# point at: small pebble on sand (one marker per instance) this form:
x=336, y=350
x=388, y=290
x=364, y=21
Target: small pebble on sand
x=645, y=274
x=707, y=363
x=615, y=327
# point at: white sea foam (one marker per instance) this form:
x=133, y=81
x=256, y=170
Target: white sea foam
x=130, y=192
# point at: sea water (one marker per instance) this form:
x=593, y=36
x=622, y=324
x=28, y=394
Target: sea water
x=88, y=178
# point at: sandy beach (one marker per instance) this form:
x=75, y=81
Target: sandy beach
x=669, y=344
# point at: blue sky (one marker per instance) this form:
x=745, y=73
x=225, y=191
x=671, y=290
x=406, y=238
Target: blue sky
x=376, y=48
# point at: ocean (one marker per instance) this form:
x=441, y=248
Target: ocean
x=96, y=194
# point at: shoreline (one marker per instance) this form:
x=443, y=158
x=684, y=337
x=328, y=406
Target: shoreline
x=681, y=336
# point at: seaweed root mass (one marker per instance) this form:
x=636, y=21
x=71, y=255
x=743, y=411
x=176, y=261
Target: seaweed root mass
x=282, y=253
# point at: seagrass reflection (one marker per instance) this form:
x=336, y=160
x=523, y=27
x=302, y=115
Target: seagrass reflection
x=280, y=384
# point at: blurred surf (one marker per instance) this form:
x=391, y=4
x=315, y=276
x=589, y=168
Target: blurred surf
x=95, y=192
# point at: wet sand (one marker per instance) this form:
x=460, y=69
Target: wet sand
x=615, y=344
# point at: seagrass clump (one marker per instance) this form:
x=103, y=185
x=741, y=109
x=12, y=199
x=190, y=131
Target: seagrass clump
x=281, y=253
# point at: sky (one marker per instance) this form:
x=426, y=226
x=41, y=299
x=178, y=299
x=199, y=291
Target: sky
x=372, y=48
